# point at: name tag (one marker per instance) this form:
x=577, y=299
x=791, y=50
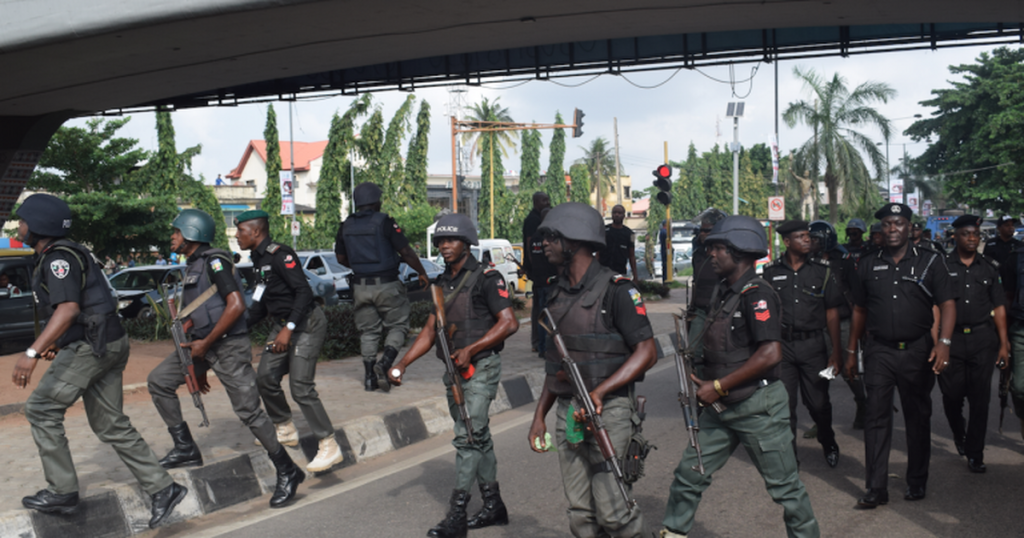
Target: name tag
x=265, y=268
x=191, y=280
x=881, y=267
x=737, y=314
x=780, y=277
x=953, y=274
x=257, y=294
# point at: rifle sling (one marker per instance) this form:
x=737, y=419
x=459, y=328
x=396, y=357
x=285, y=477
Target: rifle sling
x=203, y=297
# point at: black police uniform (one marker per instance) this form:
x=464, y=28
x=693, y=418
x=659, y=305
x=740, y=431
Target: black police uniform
x=1000, y=251
x=541, y=272
x=618, y=245
x=899, y=300
x=704, y=281
x=806, y=294
x=287, y=298
x=972, y=355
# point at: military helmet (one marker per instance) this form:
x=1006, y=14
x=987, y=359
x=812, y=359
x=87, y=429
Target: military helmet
x=576, y=222
x=742, y=233
x=710, y=215
x=456, y=225
x=366, y=194
x=824, y=233
x=46, y=215
x=195, y=225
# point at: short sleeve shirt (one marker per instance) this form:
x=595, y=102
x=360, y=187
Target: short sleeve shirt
x=490, y=294
x=759, y=313
x=618, y=245
x=806, y=294
x=219, y=270
x=980, y=290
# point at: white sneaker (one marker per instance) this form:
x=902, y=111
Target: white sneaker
x=327, y=456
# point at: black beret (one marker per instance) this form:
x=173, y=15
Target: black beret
x=967, y=220
x=791, y=226
x=894, y=210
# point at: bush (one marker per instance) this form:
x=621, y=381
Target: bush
x=146, y=329
x=649, y=287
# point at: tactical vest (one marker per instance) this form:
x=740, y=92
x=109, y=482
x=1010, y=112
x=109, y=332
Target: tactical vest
x=726, y=350
x=459, y=310
x=197, y=281
x=369, y=252
x=583, y=321
x=98, y=309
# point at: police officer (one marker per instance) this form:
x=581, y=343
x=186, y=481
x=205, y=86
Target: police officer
x=603, y=320
x=372, y=245
x=82, y=335
x=742, y=353
x=219, y=341
x=979, y=341
x=999, y=249
x=855, y=230
x=283, y=293
x=619, y=247
x=536, y=266
x=703, y=283
x=477, y=303
x=894, y=291
x=810, y=298
x=876, y=237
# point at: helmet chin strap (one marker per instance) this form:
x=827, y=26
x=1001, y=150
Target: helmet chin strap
x=567, y=254
x=31, y=239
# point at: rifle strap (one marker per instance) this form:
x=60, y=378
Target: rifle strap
x=203, y=297
x=729, y=305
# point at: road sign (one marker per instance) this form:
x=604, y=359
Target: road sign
x=296, y=229
x=776, y=208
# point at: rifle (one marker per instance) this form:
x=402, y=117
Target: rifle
x=195, y=386
x=1004, y=393
x=688, y=389
x=582, y=401
x=443, y=335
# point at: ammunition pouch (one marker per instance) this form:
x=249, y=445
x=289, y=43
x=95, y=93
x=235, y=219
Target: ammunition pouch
x=98, y=331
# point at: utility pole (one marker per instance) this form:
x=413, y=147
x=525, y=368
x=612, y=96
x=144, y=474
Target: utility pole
x=618, y=175
x=291, y=136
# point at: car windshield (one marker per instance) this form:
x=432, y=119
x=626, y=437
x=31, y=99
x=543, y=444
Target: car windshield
x=136, y=280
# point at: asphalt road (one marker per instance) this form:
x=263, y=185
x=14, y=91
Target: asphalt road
x=406, y=492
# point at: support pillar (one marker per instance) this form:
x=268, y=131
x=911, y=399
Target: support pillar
x=22, y=141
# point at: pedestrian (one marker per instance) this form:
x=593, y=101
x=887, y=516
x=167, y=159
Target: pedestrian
x=538, y=270
x=160, y=259
x=619, y=249
x=703, y=283
x=894, y=291
x=218, y=340
x=372, y=245
x=83, y=336
x=999, y=249
x=299, y=328
x=742, y=355
x=603, y=320
x=810, y=298
x=477, y=303
x=665, y=242
x=979, y=341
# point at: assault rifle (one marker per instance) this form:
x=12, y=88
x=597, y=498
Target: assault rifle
x=443, y=336
x=582, y=401
x=196, y=385
x=688, y=389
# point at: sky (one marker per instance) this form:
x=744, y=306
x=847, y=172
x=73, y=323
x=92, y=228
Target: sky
x=673, y=106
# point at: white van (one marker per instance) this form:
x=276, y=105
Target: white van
x=498, y=252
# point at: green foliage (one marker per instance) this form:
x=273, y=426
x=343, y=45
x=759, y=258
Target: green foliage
x=119, y=222
x=279, y=227
x=579, y=190
x=167, y=170
x=90, y=159
x=504, y=140
x=370, y=145
x=979, y=123
x=492, y=167
x=396, y=195
x=651, y=287
x=599, y=158
x=554, y=179
x=416, y=160
x=529, y=179
x=753, y=190
x=414, y=223
x=688, y=198
x=328, y=187
x=203, y=198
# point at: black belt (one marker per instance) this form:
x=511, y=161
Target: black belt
x=371, y=280
x=896, y=344
x=969, y=328
x=789, y=335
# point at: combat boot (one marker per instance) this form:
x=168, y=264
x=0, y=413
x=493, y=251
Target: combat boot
x=370, y=383
x=287, y=435
x=289, y=476
x=185, y=452
x=493, y=511
x=383, y=365
x=454, y=524
x=328, y=455
x=164, y=502
x=50, y=502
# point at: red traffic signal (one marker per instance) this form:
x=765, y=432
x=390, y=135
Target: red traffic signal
x=663, y=181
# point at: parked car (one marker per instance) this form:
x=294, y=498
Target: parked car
x=324, y=263
x=324, y=292
x=16, y=305
x=681, y=261
x=134, y=284
x=412, y=282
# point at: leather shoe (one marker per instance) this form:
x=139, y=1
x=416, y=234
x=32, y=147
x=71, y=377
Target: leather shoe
x=975, y=465
x=50, y=502
x=832, y=455
x=959, y=446
x=914, y=493
x=164, y=502
x=873, y=499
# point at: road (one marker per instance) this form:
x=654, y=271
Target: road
x=404, y=493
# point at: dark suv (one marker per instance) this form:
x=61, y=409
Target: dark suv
x=16, y=319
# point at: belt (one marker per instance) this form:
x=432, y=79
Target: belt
x=789, y=335
x=896, y=344
x=371, y=280
x=969, y=328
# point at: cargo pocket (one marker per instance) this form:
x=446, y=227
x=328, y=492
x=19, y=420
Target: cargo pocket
x=775, y=452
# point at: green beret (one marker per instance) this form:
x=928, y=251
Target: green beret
x=251, y=214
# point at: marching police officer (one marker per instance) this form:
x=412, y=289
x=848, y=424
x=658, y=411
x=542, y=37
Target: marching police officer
x=894, y=290
x=300, y=327
x=741, y=366
x=1000, y=247
x=619, y=248
x=219, y=341
x=979, y=340
x=372, y=245
x=603, y=320
x=703, y=283
x=477, y=303
x=83, y=336
x=810, y=298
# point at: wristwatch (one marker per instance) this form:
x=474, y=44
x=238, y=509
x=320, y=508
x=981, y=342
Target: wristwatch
x=946, y=341
x=31, y=353
x=291, y=325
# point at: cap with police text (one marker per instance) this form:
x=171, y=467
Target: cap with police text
x=967, y=220
x=1007, y=218
x=894, y=210
x=251, y=214
x=856, y=224
x=791, y=226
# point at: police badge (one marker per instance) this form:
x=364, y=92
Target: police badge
x=60, y=268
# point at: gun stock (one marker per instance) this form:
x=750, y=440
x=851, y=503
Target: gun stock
x=443, y=336
x=188, y=369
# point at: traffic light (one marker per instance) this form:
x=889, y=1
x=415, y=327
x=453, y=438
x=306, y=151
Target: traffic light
x=577, y=123
x=663, y=181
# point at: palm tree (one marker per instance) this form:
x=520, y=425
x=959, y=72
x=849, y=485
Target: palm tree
x=490, y=111
x=599, y=159
x=834, y=114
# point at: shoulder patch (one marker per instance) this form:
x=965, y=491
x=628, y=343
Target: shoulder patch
x=216, y=265
x=60, y=268
x=748, y=287
x=273, y=247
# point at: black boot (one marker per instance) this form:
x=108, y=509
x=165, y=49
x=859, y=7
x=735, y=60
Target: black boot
x=370, y=383
x=493, y=511
x=382, y=367
x=289, y=476
x=164, y=502
x=454, y=524
x=185, y=452
x=50, y=502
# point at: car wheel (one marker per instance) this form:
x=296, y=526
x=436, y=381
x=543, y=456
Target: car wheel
x=145, y=312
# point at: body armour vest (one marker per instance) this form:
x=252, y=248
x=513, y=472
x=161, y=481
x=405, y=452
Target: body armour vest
x=598, y=349
x=197, y=281
x=468, y=327
x=726, y=350
x=97, y=319
x=369, y=252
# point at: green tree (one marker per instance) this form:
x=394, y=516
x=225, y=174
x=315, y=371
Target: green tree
x=120, y=222
x=978, y=124
x=203, y=198
x=370, y=145
x=335, y=173
x=90, y=159
x=396, y=195
x=490, y=111
x=420, y=215
x=491, y=146
x=753, y=189
x=279, y=228
x=599, y=158
x=554, y=179
x=579, y=189
x=688, y=197
x=168, y=169
x=529, y=178
x=834, y=114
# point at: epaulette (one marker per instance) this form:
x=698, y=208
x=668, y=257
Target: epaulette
x=748, y=287
x=991, y=261
x=821, y=261
x=618, y=279
x=773, y=263
x=490, y=270
x=273, y=247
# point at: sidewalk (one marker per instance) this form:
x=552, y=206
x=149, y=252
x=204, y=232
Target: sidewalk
x=235, y=470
